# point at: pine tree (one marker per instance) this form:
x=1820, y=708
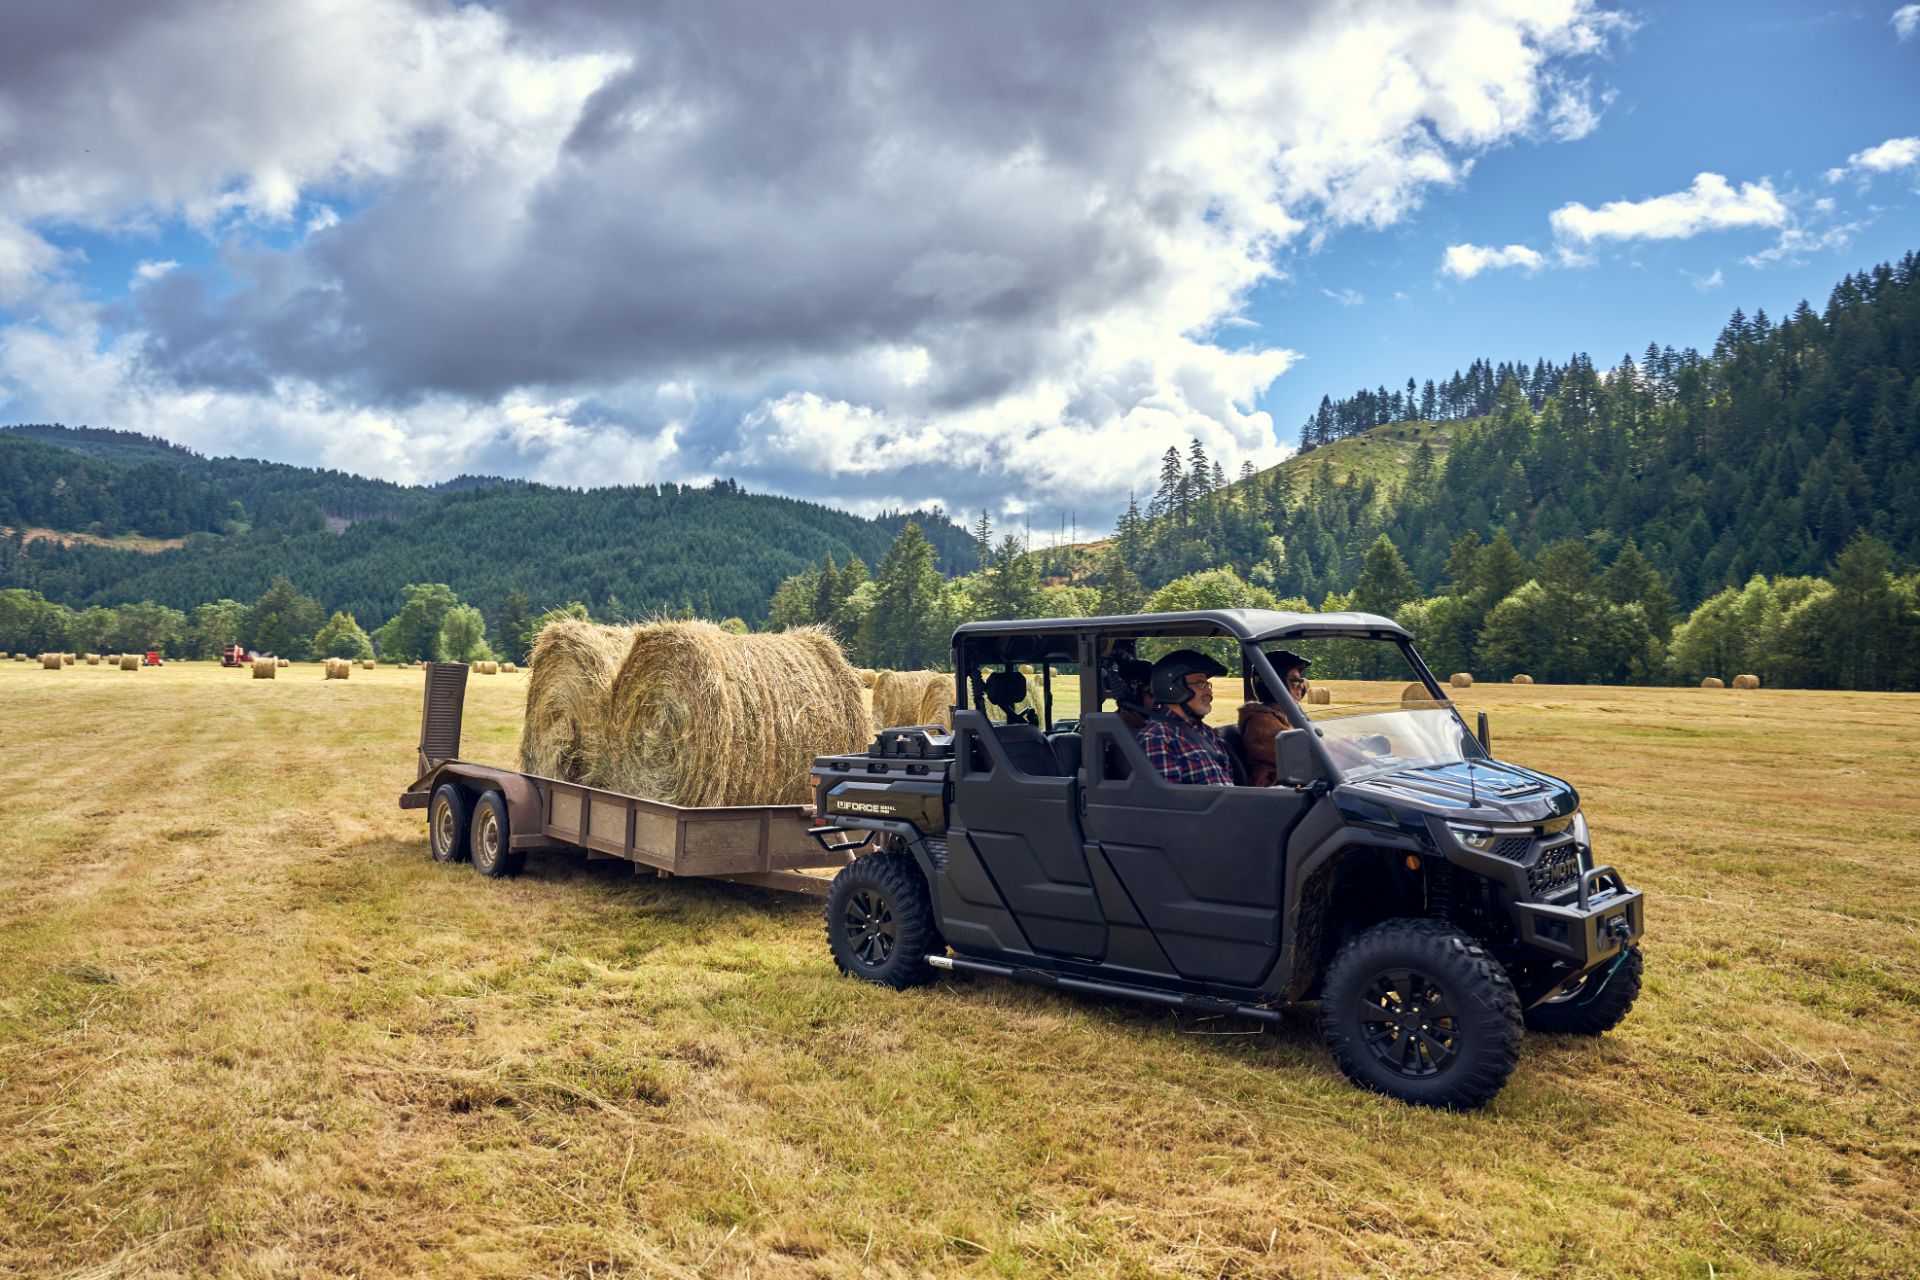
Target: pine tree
x=1385, y=582
x=983, y=537
x=901, y=632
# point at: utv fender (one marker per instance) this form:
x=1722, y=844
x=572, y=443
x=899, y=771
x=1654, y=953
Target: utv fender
x=1322, y=842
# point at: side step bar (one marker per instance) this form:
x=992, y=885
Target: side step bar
x=1147, y=995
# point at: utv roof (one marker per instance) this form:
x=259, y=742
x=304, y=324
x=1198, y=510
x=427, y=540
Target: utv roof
x=1242, y=624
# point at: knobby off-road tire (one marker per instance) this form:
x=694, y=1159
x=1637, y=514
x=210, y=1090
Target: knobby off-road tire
x=491, y=838
x=447, y=823
x=880, y=921
x=1417, y=1010
x=1597, y=1005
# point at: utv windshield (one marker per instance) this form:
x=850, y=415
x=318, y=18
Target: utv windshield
x=1364, y=741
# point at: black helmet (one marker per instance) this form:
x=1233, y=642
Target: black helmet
x=1170, y=675
x=1283, y=661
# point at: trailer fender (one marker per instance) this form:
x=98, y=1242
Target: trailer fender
x=526, y=807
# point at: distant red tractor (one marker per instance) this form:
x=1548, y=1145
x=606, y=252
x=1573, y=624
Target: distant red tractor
x=153, y=658
x=235, y=656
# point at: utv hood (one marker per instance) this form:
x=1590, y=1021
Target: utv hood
x=1488, y=790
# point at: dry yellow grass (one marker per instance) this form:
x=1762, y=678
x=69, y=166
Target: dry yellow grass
x=247, y=1028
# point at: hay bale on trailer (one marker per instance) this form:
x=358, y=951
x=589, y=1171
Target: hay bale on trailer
x=1523, y=678
x=265, y=668
x=867, y=676
x=1713, y=682
x=1746, y=682
x=703, y=716
x=569, y=696
x=1460, y=680
x=93, y=659
x=51, y=662
x=130, y=662
x=912, y=697
x=337, y=669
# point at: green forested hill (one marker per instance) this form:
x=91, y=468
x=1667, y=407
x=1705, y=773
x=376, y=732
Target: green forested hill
x=716, y=549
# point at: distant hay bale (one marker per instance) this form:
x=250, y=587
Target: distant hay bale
x=507, y=668
x=1319, y=697
x=338, y=669
x=265, y=668
x=367, y=664
x=66, y=659
x=569, y=696
x=701, y=716
x=130, y=662
x=912, y=697
x=1415, y=692
x=1460, y=680
x=93, y=659
x=488, y=668
x=1523, y=678
x=867, y=676
x=1713, y=682
x=285, y=662
x=1746, y=682
x=51, y=662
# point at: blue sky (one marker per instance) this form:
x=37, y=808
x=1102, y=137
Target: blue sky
x=997, y=255
x=1753, y=91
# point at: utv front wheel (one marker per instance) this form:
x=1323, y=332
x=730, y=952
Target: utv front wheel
x=880, y=921
x=1595, y=1006
x=1417, y=1010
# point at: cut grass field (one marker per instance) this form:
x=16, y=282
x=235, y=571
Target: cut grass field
x=247, y=1028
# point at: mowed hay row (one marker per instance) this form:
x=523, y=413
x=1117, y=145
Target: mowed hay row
x=569, y=699
x=702, y=716
x=130, y=662
x=1460, y=680
x=1713, y=682
x=912, y=697
x=265, y=668
x=338, y=669
x=1746, y=682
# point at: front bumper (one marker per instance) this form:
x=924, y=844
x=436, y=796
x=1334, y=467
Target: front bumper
x=1605, y=918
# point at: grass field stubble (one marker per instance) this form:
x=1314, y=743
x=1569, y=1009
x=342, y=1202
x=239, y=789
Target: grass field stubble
x=247, y=1027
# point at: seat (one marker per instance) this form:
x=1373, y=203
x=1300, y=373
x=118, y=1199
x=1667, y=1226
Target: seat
x=1066, y=753
x=1028, y=750
x=1236, y=745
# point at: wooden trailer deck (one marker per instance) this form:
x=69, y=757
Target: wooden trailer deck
x=766, y=845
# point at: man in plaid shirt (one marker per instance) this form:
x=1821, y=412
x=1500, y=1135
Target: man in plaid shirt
x=1177, y=739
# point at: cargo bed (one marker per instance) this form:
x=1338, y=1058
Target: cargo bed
x=766, y=845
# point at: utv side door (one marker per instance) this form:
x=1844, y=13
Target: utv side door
x=1202, y=866
x=1020, y=825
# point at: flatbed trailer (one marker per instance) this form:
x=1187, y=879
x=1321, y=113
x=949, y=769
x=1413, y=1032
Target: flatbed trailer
x=772, y=846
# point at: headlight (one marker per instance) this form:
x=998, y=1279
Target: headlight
x=1478, y=841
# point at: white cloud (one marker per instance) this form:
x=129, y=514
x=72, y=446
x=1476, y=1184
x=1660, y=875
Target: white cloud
x=1710, y=204
x=1707, y=283
x=1465, y=261
x=1345, y=297
x=1888, y=157
x=1905, y=20
x=987, y=243
x=149, y=271
x=1797, y=241
x=24, y=259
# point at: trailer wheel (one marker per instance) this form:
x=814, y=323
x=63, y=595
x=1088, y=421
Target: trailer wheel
x=492, y=855
x=447, y=823
x=1595, y=1006
x=1419, y=1011
x=880, y=921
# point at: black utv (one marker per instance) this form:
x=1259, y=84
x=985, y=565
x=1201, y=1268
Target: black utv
x=1431, y=898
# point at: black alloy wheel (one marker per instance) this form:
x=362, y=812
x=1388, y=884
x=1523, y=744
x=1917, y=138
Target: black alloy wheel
x=1419, y=1011
x=447, y=823
x=879, y=919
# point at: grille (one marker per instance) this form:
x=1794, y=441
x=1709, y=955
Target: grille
x=1513, y=847
x=936, y=852
x=1558, y=867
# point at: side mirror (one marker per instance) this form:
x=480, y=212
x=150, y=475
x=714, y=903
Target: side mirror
x=1294, y=765
x=1486, y=739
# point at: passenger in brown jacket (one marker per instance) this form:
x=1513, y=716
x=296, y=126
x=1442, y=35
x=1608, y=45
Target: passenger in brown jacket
x=1260, y=720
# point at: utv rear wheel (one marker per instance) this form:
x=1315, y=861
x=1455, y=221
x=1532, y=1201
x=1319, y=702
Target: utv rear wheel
x=492, y=839
x=880, y=921
x=1597, y=1005
x=447, y=823
x=1419, y=1011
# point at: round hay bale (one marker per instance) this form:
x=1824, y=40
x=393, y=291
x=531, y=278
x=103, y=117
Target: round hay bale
x=1319, y=697
x=701, y=716
x=1523, y=678
x=1713, y=682
x=337, y=669
x=489, y=668
x=508, y=668
x=130, y=662
x=912, y=697
x=367, y=664
x=93, y=659
x=66, y=659
x=285, y=662
x=1415, y=692
x=1746, y=682
x=1460, y=680
x=569, y=691
x=51, y=662
x=265, y=668
x=867, y=676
